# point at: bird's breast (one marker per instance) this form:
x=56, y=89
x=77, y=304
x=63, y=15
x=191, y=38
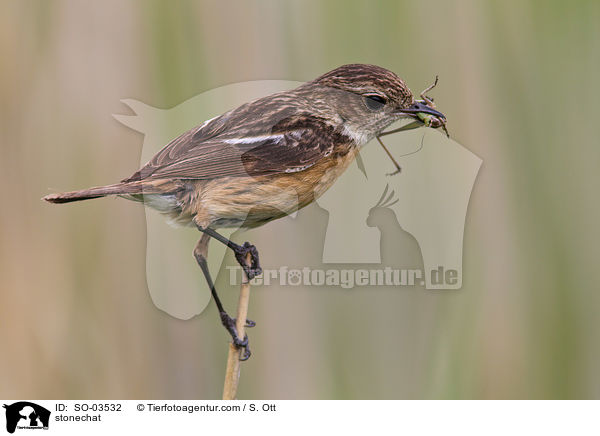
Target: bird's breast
x=253, y=201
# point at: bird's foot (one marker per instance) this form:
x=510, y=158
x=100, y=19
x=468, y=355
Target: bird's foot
x=249, y=323
x=239, y=343
x=254, y=268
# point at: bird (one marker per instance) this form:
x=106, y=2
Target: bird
x=228, y=171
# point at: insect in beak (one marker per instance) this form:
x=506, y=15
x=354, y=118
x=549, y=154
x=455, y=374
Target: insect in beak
x=422, y=107
x=423, y=111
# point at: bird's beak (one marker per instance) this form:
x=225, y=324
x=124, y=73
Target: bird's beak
x=420, y=107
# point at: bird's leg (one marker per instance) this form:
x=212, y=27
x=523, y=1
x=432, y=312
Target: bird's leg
x=200, y=253
x=240, y=252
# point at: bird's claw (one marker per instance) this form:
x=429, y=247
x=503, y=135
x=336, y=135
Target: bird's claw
x=254, y=268
x=239, y=343
x=249, y=323
x=246, y=349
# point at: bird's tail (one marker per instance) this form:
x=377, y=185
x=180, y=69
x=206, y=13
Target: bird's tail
x=100, y=191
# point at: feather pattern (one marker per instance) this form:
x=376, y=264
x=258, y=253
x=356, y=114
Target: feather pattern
x=268, y=136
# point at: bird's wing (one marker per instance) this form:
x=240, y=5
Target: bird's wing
x=216, y=149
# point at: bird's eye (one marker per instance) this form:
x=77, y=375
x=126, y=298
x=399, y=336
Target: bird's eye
x=374, y=102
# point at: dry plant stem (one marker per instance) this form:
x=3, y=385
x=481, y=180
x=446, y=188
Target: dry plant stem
x=232, y=372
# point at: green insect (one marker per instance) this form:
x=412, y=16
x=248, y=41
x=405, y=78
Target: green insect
x=425, y=118
x=428, y=119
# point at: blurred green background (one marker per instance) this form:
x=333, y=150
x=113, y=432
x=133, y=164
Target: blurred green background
x=518, y=83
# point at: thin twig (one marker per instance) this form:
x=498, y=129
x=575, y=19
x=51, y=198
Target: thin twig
x=232, y=372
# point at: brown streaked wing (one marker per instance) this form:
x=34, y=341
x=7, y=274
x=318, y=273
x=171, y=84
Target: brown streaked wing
x=210, y=151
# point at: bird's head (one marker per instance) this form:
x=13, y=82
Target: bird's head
x=367, y=99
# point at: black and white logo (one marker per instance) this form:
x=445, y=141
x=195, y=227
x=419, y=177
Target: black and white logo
x=26, y=415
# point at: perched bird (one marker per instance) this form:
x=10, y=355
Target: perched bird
x=229, y=171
